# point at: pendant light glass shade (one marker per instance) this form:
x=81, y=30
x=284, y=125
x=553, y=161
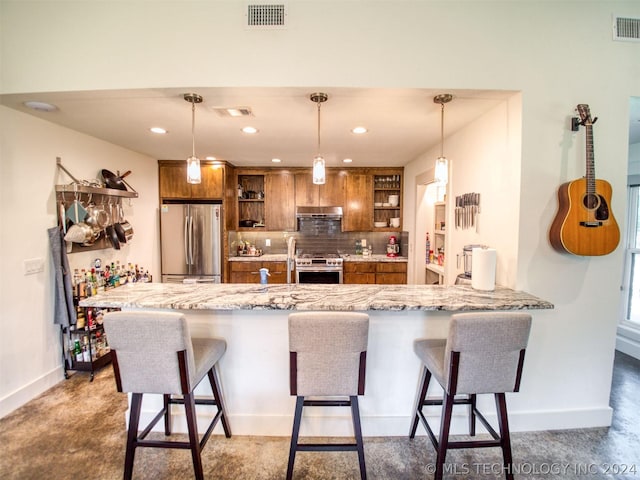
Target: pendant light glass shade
x=441, y=176
x=442, y=171
x=318, y=162
x=194, y=174
x=318, y=171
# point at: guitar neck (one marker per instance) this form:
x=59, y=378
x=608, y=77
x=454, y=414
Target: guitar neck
x=591, y=168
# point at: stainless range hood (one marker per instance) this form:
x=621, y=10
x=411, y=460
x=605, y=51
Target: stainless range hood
x=320, y=213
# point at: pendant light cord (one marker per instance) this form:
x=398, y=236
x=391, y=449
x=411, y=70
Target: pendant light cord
x=442, y=130
x=193, y=129
x=318, y=128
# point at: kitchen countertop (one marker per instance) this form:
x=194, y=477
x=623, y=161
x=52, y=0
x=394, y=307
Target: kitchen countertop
x=267, y=257
x=374, y=258
x=234, y=296
x=282, y=257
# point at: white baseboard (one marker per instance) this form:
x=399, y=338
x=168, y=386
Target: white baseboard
x=339, y=426
x=28, y=392
x=627, y=342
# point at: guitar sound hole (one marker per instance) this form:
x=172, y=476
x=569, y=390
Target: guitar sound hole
x=591, y=202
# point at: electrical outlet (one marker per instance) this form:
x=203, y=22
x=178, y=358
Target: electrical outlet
x=267, y=242
x=33, y=265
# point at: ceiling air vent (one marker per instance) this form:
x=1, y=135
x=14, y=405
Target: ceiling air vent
x=626, y=28
x=267, y=15
x=233, y=111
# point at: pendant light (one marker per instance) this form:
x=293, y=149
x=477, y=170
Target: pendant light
x=441, y=176
x=318, y=161
x=194, y=174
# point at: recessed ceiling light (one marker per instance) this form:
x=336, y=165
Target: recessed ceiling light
x=158, y=130
x=276, y=160
x=347, y=160
x=250, y=130
x=40, y=106
x=359, y=130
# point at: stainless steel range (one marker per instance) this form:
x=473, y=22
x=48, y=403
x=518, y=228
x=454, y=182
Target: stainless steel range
x=318, y=268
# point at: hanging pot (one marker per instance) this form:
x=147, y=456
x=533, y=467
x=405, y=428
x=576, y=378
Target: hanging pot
x=128, y=230
x=112, y=180
x=97, y=216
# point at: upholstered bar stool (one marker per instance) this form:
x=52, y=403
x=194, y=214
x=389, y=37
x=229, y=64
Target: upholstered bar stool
x=484, y=353
x=153, y=352
x=327, y=358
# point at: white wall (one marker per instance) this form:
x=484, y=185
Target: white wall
x=527, y=46
x=30, y=355
x=484, y=158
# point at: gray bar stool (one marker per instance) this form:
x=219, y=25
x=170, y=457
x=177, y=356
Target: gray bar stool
x=327, y=358
x=484, y=353
x=153, y=352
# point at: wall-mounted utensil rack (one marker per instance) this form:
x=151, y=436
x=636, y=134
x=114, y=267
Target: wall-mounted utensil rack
x=86, y=192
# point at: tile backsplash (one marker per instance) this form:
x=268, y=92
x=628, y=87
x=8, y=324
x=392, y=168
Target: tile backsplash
x=321, y=236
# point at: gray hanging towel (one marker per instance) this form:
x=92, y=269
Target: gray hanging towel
x=64, y=311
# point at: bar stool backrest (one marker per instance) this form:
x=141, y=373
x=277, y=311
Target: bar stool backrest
x=147, y=346
x=328, y=351
x=491, y=346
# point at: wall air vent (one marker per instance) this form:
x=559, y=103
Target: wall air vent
x=626, y=28
x=266, y=16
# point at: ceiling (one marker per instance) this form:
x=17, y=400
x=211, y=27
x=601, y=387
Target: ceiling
x=401, y=123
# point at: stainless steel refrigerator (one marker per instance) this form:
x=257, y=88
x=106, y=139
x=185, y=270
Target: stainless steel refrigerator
x=191, y=242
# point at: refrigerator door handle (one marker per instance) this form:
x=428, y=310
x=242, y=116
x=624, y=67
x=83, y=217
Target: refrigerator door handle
x=186, y=240
x=190, y=240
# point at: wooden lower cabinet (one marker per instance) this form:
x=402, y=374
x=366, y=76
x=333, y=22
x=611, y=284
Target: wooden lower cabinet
x=389, y=273
x=359, y=272
x=249, y=271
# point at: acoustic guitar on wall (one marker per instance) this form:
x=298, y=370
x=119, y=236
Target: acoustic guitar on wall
x=584, y=224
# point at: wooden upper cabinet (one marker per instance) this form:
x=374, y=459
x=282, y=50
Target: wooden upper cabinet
x=307, y=194
x=280, y=206
x=212, y=185
x=310, y=195
x=173, y=181
x=332, y=192
x=358, y=203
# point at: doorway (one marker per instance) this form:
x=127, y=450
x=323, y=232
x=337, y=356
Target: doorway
x=428, y=194
x=628, y=340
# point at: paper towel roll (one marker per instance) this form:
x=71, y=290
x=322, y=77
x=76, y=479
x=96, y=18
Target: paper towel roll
x=483, y=268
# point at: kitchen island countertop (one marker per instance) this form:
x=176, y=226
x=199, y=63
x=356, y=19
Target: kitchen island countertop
x=234, y=296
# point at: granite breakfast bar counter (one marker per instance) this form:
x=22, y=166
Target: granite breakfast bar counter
x=252, y=318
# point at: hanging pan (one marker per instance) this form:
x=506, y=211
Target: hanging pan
x=112, y=180
x=118, y=226
x=112, y=235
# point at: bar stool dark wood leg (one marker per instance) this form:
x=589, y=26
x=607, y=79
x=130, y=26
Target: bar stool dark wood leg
x=443, y=440
x=132, y=434
x=472, y=414
x=505, y=437
x=217, y=394
x=194, y=442
x=422, y=394
x=294, y=436
x=355, y=415
x=167, y=414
